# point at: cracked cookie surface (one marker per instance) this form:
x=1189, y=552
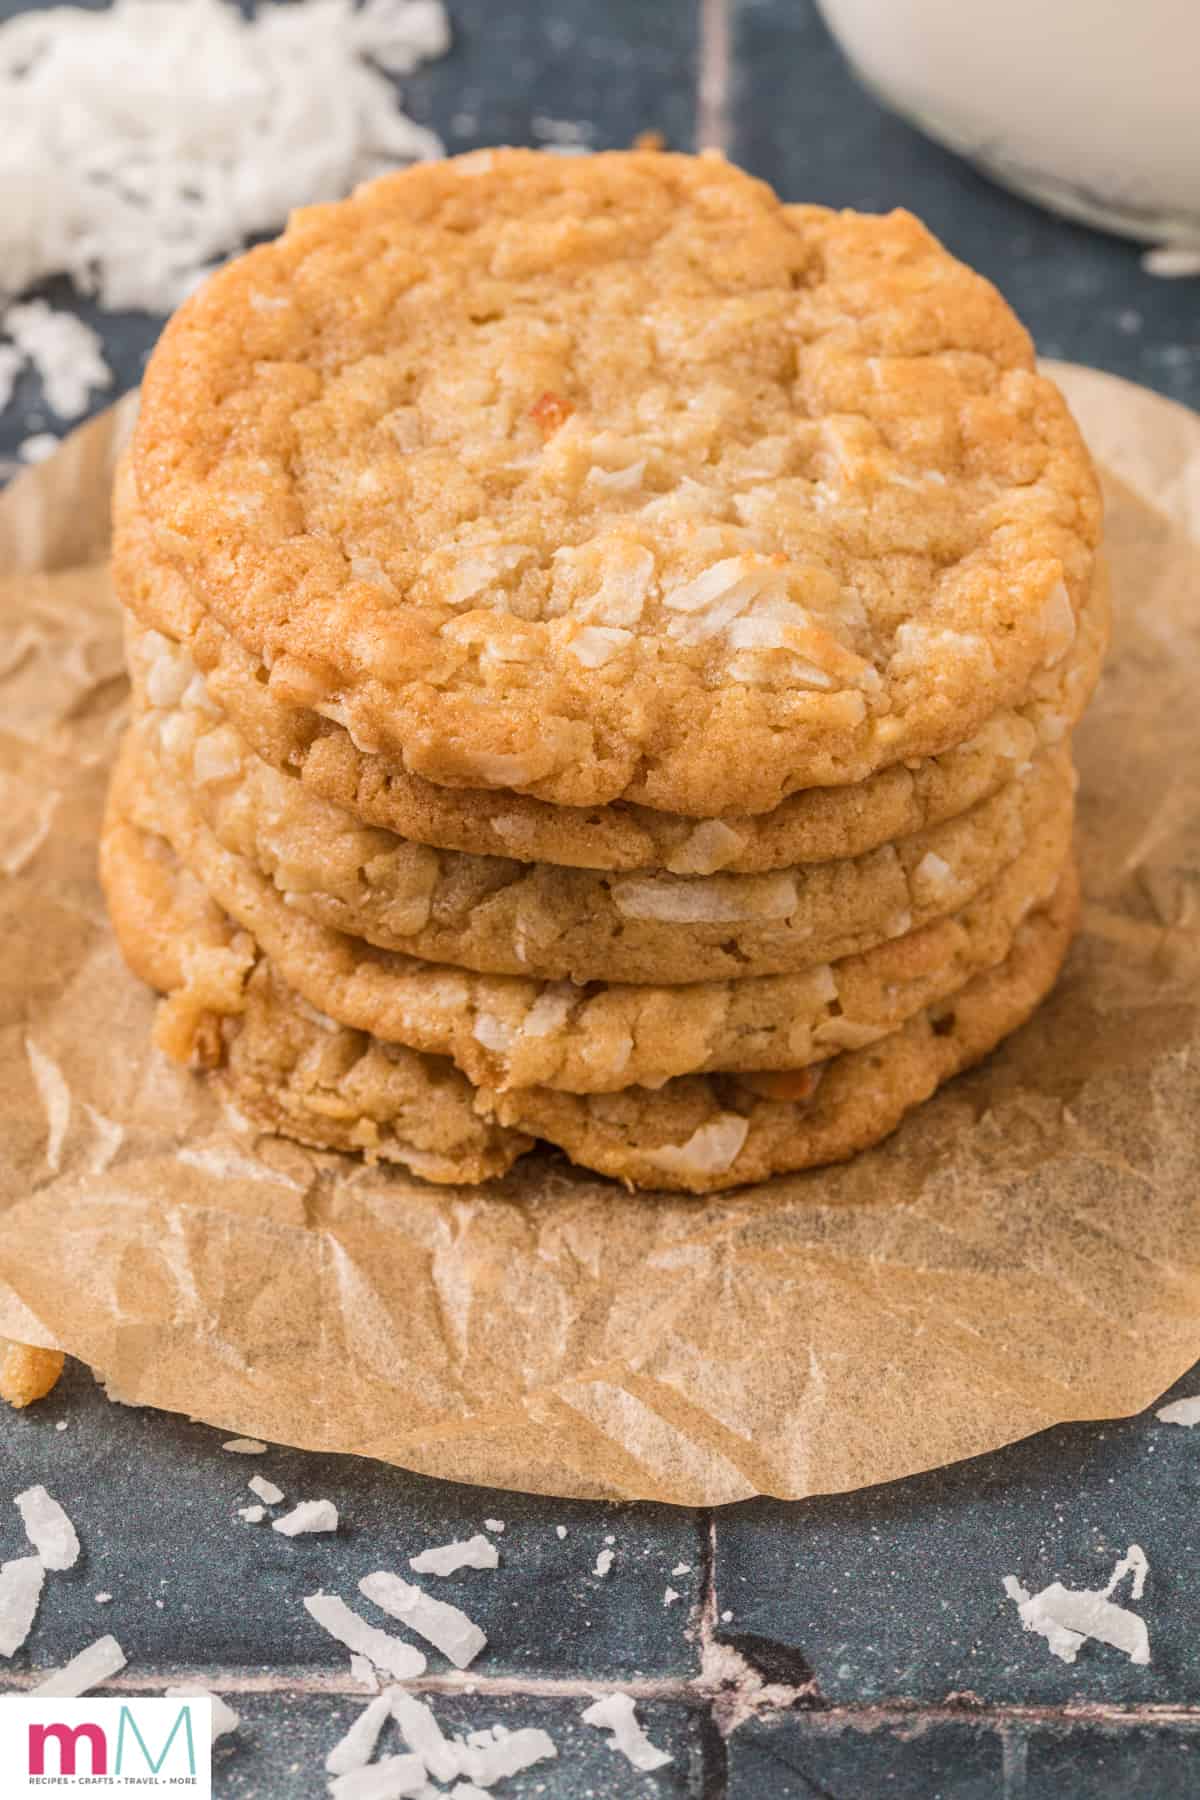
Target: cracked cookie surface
x=611, y=478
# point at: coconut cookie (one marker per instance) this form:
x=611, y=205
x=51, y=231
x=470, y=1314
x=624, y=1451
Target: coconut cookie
x=503, y=917
x=814, y=825
x=504, y=1031
x=612, y=478
x=287, y=1068
x=704, y=1133
x=572, y=924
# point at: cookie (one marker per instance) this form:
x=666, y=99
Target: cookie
x=704, y=1133
x=332, y=1087
x=284, y=1066
x=611, y=477
x=506, y=1031
x=497, y=916
x=814, y=825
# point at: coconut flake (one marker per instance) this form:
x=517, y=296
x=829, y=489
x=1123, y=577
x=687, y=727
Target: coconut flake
x=84, y=1672
x=48, y=1529
x=1172, y=262
x=390, y=1779
x=616, y=1713
x=493, y=1524
x=682, y=1569
x=488, y=1760
x=310, y=1515
x=266, y=1490
x=381, y=1649
x=21, y=1584
x=595, y=645
x=423, y=1735
x=224, y=1719
x=66, y=353
x=1068, y=1617
x=253, y=1515
x=717, y=900
x=38, y=448
x=357, y=1747
x=711, y=1149
x=604, y=1563
x=671, y=1595
x=1181, y=1412
x=441, y=1624
x=475, y=1552
x=706, y=849
x=245, y=1447
x=560, y=1531
x=145, y=141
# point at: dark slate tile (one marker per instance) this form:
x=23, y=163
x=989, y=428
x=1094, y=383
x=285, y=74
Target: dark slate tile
x=801, y=121
x=896, y=1592
x=1090, y=1763
x=155, y=1501
x=571, y=73
x=279, y=1750
x=794, y=1758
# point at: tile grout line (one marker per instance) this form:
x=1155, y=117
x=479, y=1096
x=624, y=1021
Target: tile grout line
x=713, y=76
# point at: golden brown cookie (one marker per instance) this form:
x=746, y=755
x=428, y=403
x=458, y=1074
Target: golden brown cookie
x=706, y=1132
x=497, y=916
x=286, y=1067
x=301, y=1075
x=814, y=825
x=508, y=1031
x=612, y=477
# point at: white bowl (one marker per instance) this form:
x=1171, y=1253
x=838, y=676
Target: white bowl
x=1090, y=106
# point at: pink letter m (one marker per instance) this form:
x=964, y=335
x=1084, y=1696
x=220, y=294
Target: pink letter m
x=68, y=1737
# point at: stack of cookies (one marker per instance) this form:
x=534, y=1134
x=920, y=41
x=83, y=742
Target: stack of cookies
x=605, y=646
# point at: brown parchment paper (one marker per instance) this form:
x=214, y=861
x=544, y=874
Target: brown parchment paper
x=1025, y=1250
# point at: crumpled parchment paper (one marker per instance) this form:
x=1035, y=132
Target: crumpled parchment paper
x=1025, y=1250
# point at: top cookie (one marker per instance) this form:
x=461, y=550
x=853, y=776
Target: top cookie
x=611, y=477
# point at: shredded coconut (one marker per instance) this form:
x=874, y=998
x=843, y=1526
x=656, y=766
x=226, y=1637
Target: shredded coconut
x=604, y=1563
x=670, y=1596
x=381, y=1649
x=441, y=1624
x=224, y=1719
x=144, y=141
x=616, y=1713
x=37, y=448
x=423, y=1735
x=710, y=1150
x=390, y=1779
x=310, y=1515
x=560, y=1531
x=66, y=353
x=103, y=1599
x=253, y=1515
x=20, y=1591
x=357, y=1747
x=266, y=1490
x=1068, y=1617
x=488, y=1760
x=48, y=1529
x=493, y=1524
x=84, y=1672
x=245, y=1447
x=682, y=1569
x=1181, y=1412
x=475, y=1552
